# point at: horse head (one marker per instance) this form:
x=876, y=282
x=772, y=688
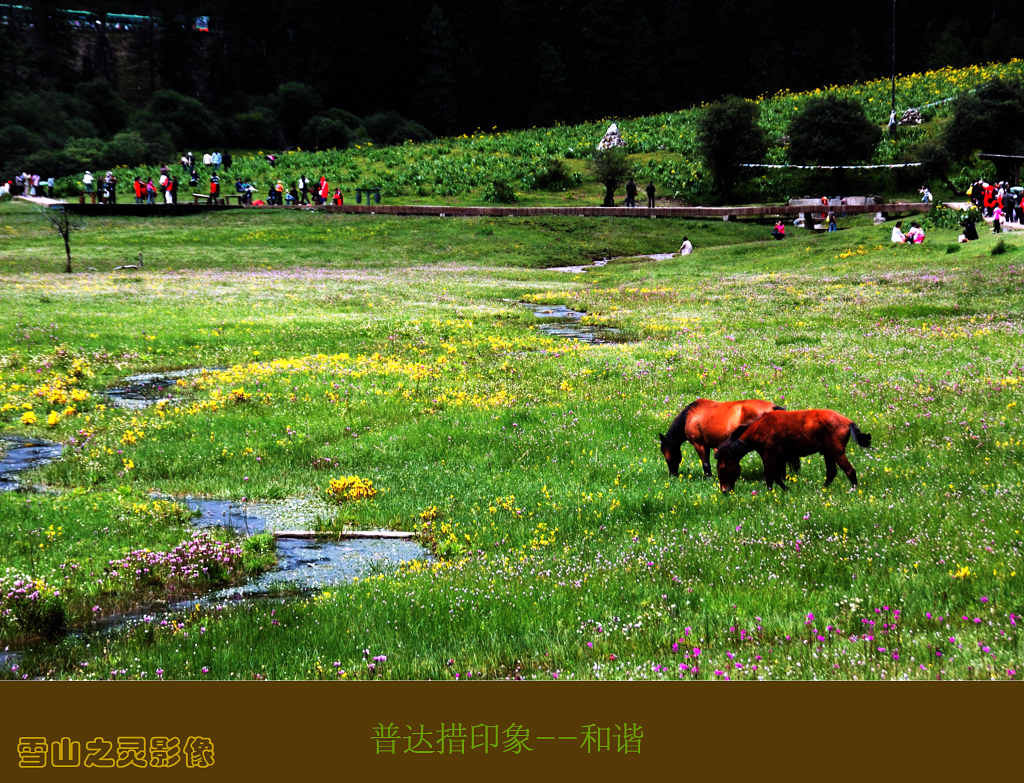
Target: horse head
x=728, y=456
x=673, y=454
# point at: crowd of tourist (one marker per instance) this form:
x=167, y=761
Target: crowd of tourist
x=26, y=184
x=998, y=201
x=202, y=174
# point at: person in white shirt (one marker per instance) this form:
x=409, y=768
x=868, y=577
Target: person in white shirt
x=897, y=233
x=686, y=248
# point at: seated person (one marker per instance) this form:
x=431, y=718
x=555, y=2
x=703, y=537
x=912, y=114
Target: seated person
x=686, y=248
x=779, y=231
x=915, y=234
x=970, y=230
x=897, y=233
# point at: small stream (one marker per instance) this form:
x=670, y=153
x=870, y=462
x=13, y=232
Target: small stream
x=141, y=391
x=565, y=322
x=304, y=564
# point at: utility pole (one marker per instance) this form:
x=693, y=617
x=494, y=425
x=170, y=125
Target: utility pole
x=893, y=55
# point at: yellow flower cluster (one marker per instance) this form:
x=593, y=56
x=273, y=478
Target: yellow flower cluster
x=350, y=488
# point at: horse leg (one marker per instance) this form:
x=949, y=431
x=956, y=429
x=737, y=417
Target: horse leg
x=851, y=474
x=705, y=461
x=794, y=463
x=830, y=469
x=773, y=465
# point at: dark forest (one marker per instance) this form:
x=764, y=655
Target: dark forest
x=456, y=66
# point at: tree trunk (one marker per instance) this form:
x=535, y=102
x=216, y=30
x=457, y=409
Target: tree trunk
x=67, y=249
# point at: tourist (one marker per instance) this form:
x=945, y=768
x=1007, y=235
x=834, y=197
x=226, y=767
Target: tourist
x=650, y=195
x=88, y=187
x=325, y=190
x=915, y=235
x=214, y=188
x=139, y=190
x=150, y=191
x=631, y=193
x=897, y=233
x=988, y=199
x=226, y=159
x=832, y=226
x=207, y=159
x=970, y=230
x=997, y=217
x=779, y=230
x=110, y=188
x=338, y=198
x=304, y=189
x=216, y=159
x=686, y=248
x=172, y=190
x=50, y=185
x=926, y=195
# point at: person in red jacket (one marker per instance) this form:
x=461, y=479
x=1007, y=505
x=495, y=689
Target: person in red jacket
x=338, y=198
x=139, y=190
x=214, y=188
x=325, y=190
x=989, y=199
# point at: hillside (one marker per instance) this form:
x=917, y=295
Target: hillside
x=661, y=145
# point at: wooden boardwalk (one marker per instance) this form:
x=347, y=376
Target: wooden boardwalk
x=712, y=213
x=444, y=210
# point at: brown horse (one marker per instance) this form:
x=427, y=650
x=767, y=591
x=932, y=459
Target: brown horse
x=706, y=424
x=779, y=436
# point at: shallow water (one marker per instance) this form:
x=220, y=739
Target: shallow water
x=24, y=454
x=566, y=323
x=302, y=563
x=311, y=564
x=141, y=391
x=578, y=269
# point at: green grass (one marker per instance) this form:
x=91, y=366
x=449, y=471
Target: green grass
x=394, y=348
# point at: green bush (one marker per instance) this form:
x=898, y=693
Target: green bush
x=390, y=127
x=832, y=131
x=499, y=191
x=554, y=175
x=728, y=135
x=127, y=148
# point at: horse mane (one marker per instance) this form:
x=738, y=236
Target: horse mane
x=734, y=448
x=677, y=429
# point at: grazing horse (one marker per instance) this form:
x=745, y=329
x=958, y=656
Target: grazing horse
x=706, y=424
x=780, y=435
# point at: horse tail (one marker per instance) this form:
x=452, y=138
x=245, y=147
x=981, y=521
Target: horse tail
x=862, y=438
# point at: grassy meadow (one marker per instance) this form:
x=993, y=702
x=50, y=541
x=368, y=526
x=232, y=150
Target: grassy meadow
x=390, y=357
